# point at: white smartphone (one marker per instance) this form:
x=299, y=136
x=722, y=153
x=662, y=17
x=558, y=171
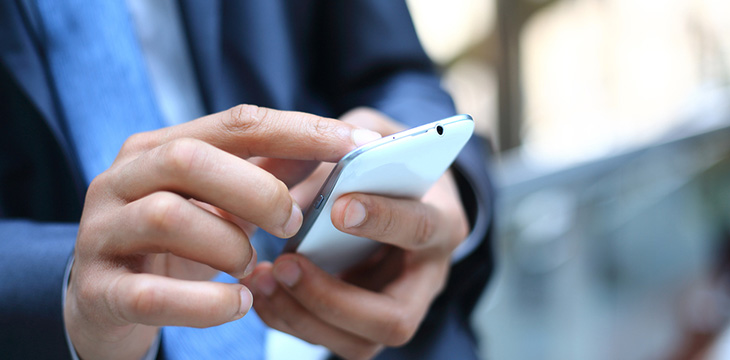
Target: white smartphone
x=405, y=165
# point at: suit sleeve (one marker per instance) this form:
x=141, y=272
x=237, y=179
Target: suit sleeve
x=33, y=259
x=35, y=183
x=372, y=57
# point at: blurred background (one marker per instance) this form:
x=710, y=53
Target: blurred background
x=610, y=121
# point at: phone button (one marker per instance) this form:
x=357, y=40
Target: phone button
x=318, y=201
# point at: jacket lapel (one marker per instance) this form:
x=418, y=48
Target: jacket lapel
x=20, y=54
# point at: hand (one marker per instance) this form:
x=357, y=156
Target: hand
x=382, y=302
x=178, y=205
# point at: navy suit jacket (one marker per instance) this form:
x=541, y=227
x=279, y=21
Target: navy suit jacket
x=318, y=56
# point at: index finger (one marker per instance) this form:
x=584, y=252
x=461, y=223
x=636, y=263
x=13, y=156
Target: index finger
x=249, y=130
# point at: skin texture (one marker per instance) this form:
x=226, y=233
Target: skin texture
x=178, y=205
x=382, y=302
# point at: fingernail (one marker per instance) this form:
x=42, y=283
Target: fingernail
x=249, y=268
x=354, y=214
x=363, y=136
x=287, y=272
x=294, y=222
x=246, y=301
x=265, y=284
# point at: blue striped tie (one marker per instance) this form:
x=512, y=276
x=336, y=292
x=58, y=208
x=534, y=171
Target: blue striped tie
x=100, y=77
x=105, y=95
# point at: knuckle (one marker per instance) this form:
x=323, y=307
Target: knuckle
x=162, y=213
x=322, y=133
x=387, y=224
x=85, y=291
x=182, y=157
x=91, y=296
x=97, y=187
x=135, y=143
x=96, y=224
x=92, y=239
x=277, y=197
x=244, y=118
x=321, y=127
x=145, y=300
x=399, y=328
x=424, y=228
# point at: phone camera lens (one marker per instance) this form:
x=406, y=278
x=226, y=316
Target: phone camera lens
x=440, y=129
